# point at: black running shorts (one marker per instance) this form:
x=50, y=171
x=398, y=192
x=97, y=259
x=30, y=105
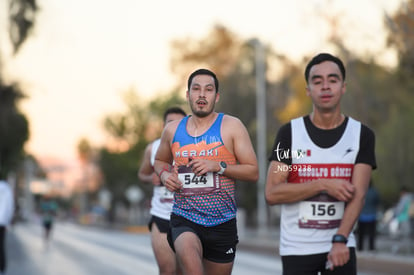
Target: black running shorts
x=312, y=264
x=219, y=242
x=162, y=224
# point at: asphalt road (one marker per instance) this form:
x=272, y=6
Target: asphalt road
x=82, y=250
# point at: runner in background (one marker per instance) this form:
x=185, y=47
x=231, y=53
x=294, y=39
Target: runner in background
x=48, y=210
x=161, y=203
x=367, y=222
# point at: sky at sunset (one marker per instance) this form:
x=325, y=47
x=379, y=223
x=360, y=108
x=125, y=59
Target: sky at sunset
x=83, y=55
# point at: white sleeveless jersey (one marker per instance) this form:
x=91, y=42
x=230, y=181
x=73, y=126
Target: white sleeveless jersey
x=307, y=227
x=162, y=199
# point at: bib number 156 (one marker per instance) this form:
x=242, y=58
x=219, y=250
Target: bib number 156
x=323, y=209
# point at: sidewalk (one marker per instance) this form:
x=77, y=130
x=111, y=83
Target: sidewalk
x=382, y=261
x=18, y=256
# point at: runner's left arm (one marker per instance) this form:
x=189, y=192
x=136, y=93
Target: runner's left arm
x=339, y=254
x=246, y=168
x=146, y=170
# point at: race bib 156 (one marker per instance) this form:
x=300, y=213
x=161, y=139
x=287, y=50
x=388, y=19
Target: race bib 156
x=320, y=214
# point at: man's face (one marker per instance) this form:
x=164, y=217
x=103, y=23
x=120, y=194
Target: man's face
x=325, y=86
x=202, y=95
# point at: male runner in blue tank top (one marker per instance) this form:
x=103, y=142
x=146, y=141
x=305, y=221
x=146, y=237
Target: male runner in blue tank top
x=210, y=151
x=319, y=171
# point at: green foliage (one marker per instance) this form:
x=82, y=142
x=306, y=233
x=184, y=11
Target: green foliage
x=120, y=170
x=174, y=98
x=395, y=147
x=137, y=126
x=140, y=121
x=131, y=125
x=368, y=88
x=14, y=130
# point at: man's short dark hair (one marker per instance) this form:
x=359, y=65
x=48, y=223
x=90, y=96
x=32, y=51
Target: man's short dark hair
x=203, y=72
x=174, y=110
x=322, y=57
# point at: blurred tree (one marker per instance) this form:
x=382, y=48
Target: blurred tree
x=368, y=88
x=218, y=51
x=130, y=131
x=14, y=126
x=119, y=170
x=395, y=143
x=129, y=127
x=14, y=130
x=90, y=176
x=401, y=36
x=395, y=149
x=297, y=102
x=84, y=150
x=175, y=98
x=139, y=122
x=22, y=15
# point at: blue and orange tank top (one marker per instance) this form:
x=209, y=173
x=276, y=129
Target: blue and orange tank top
x=207, y=209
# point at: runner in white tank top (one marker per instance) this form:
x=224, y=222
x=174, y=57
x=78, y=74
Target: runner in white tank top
x=319, y=171
x=161, y=203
